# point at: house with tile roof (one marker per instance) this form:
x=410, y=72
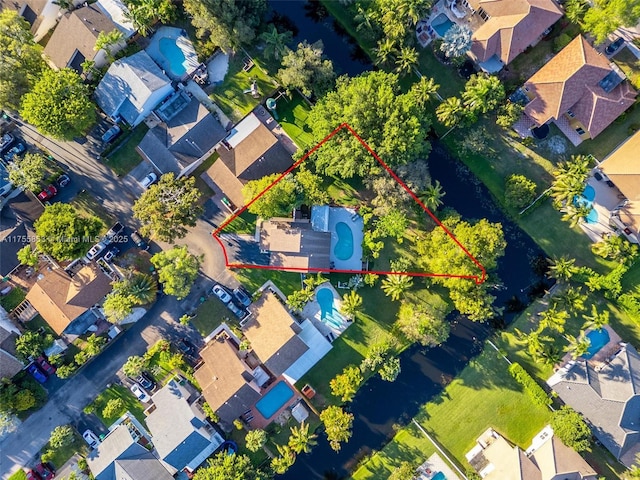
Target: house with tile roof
x=622, y=167
x=74, y=39
x=66, y=302
x=507, y=28
x=42, y=15
x=120, y=457
x=132, y=87
x=579, y=90
x=181, y=433
x=495, y=458
x=281, y=349
x=607, y=394
x=249, y=152
x=186, y=134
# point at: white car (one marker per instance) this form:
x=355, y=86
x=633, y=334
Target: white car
x=140, y=393
x=147, y=181
x=91, y=438
x=221, y=293
x=95, y=250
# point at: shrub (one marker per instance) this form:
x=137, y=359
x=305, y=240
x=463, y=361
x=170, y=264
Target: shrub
x=114, y=408
x=630, y=303
x=238, y=424
x=561, y=41
x=61, y=436
x=65, y=371
x=519, y=191
x=535, y=391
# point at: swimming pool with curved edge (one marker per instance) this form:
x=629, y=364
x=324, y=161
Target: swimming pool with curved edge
x=598, y=339
x=174, y=55
x=343, y=249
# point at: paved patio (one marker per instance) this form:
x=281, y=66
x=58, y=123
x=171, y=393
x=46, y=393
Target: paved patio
x=607, y=199
x=432, y=466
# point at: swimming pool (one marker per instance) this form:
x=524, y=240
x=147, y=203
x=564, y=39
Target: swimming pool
x=344, y=246
x=172, y=50
x=441, y=24
x=328, y=313
x=174, y=55
x=586, y=199
x=598, y=339
x=589, y=193
x=439, y=476
x=274, y=399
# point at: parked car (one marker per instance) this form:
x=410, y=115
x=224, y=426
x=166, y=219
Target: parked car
x=45, y=471
x=63, y=180
x=146, y=381
x=140, y=394
x=242, y=296
x=113, y=232
x=113, y=251
x=149, y=180
x=221, y=293
x=95, y=250
x=36, y=373
x=614, y=46
x=6, y=141
x=111, y=134
x=138, y=240
x=48, y=193
x=45, y=366
x=186, y=346
x=31, y=475
x=237, y=311
x=17, y=149
x=91, y=438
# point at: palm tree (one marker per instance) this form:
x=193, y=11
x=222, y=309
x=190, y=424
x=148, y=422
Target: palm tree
x=575, y=10
x=536, y=344
x=575, y=214
x=395, y=285
x=275, y=42
x=407, y=58
x=553, y=319
x=432, y=195
x=573, y=300
x=301, y=441
x=351, y=303
x=423, y=90
x=412, y=11
x=286, y=459
x=107, y=40
x=562, y=269
x=577, y=346
x=457, y=41
x=550, y=354
x=143, y=287
x=450, y=112
x=616, y=248
x=384, y=51
x=596, y=320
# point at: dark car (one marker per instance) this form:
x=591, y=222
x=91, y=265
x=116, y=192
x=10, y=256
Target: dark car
x=242, y=296
x=63, y=180
x=45, y=471
x=139, y=241
x=17, y=149
x=111, y=134
x=36, y=373
x=6, y=141
x=614, y=46
x=187, y=347
x=45, y=366
x=48, y=193
x=146, y=381
x=111, y=253
x=237, y=311
x=113, y=232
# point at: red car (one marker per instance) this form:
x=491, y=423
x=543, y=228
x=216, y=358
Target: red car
x=48, y=193
x=45, y=366
x=31, y=475
x=45, y=471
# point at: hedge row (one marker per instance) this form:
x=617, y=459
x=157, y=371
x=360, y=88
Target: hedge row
x=535, y=391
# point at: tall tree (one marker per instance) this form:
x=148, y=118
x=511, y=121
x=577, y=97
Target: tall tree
x=351, y=304
x=396, y=17
x=406, y=60
x=573, y=300
x=424, y=90
x=432, y=196
x=385, y=50
x=168, y=207
x=570, y=178
x=394, y=286
x=606, y=16
x=404, y=471
x=575, y=10
x=255, y=439
x=394, y=125
x=337, y=424
x=562, y=269
x=278, y=201
x=32, y=344
x=27, y=256
x=554, y=319
x=575, y=214
x=569, y=426
x=420, y=323
x=232, y=467
x=451, y=112
x=134, y=366
x=61, y=436
x=301, y=439
x=21, y=60
x=63, y=233
x=144, y=13
x=118, y=305
x=578, y=346
x=275, y=43
x=59, y=105
x=483, y=93
x=307, y=69
x=519, y=191
x=457, y=41
x=107, y=41
x=177, y=270
x=28, y=172
x=616, y=248
x=597, y=320
x=228, y=24
x=346, y=384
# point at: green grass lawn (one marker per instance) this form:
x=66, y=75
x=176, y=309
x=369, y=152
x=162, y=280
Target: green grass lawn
x=257, y=458
x=629, y=64
x=254, y=278
x=451, y=84
x=210, y=315
x=37, y=322
x=245, y=223
x=61, y=455
x=13, y=299
x=19, y=475
x=292, y=116
x=631, y=279
x=90, y=207
x=230, y=96
x=124, y=157
x=132, y=404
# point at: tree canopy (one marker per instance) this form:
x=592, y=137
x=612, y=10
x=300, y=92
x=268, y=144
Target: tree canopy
x=229, y=467
x=59, y=105
x=228, y=24
x=393, y=124
x=306, y=68
x=606, y=16
x=168, y=207
x=28, y=171
x=177, y=270
x=20, y=59
x=63, y=233
x=144, y=13
x=337, y=424
x=278, y=201
x=420, y=323
x=570, y=427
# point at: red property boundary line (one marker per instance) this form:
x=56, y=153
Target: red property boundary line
x=478, y=279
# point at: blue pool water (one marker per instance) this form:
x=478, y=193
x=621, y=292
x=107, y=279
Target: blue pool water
x=441, y=24
x=586, y=198
x=344, y=247
x=598, y=339
x=173, y=54
x=589, y=193
x=439, y=476
x=328, y=313
x=274, y=400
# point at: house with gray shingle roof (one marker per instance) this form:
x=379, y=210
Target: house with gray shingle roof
x=181, y=433
x=608, y=395
x=132, y=88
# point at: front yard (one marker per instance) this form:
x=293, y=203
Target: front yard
x=131, y=404
x=88, y=206
x=211, y=313
x=59, y=456
x=123, y=157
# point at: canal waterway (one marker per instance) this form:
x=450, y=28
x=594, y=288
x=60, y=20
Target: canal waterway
x=379, y=405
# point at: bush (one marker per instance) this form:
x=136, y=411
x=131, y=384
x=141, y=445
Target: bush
x=65, y=371
x=61, y=436
x=114, y=408
x=569, y=426
x=535, y=391
x=561, y=41
x=519, y=191
x=630, y=303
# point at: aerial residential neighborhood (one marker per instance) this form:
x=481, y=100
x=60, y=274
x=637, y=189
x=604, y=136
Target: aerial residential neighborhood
x=365, y=239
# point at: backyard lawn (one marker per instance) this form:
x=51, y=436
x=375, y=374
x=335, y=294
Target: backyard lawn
x=124, y=156
x=13, y=299
x=629, y=64
x=254, y=278
x=631, y=279
x=230, y=96
x=292, y=116
x=132, y=404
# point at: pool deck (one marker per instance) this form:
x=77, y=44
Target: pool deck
x=190, y=62
x=606, y=200
x=433, y=465
x=258, y=421
x=313, y=312
x=601, y=356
